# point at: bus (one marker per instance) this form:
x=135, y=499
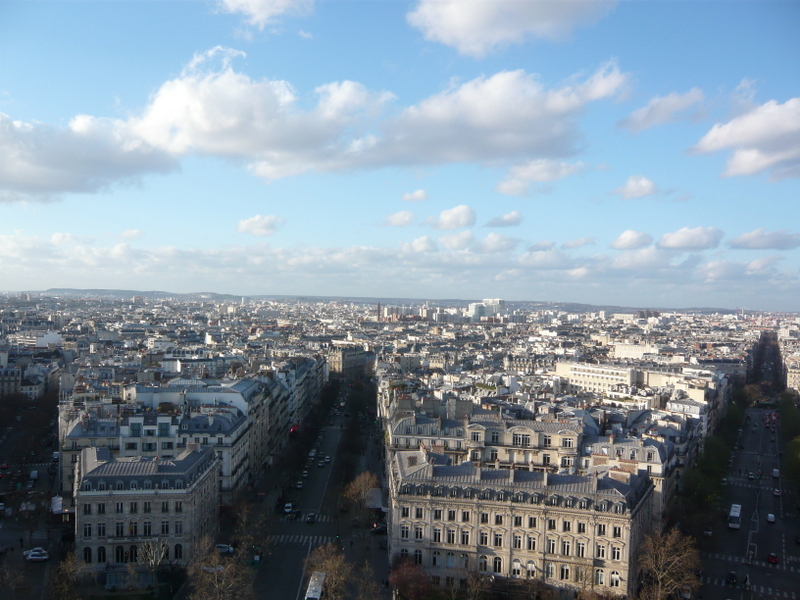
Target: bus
x=314, y=591
x=735, y=516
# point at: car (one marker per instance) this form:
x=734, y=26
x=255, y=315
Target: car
x=724, y=481
x=731, y=578
x=770, y=518
x=37, y=556
x=321, y=464
x=708, y=532
x=36, y=550
x=311, y=518
x=293, y=515
x=299, y=485
x=751, y=475
x=3, y=466
x=305, y=474
x=773, y=558
x=379, y=529
x=288, y=507
x=224, y=549
x=327, y=459
x=776, y=492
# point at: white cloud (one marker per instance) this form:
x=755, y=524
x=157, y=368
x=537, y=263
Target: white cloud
x=687, y=238
x=546, y=259
x=261, y=13
x=260, y=225
x=415, y=196
x=511, y=219
x=541, y=170
x=477, y=28
x=457, y=241
x=767, y=240
x=131, y=234
x=455, y=218
x=421, y=244
x=637, y=186
x=578, y=243
x=400, y=219
x=494, y=242
x=305, y=34
x=765, y=139
x=632, y=240
x=643, y=259
x=541, y=246
x=661, y=110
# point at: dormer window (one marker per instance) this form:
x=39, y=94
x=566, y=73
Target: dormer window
x=87, y=487
x=101, y=486
x=120, y=485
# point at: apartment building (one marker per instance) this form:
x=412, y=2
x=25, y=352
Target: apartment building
x=572, y=532
x=126, y=506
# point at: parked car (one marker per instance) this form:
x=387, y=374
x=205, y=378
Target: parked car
x=305, y=474
x=708, y=532
x=36, y=555
x=288, y=507
x=224, y=549
x=731, y=578
x=770, y=518
x=299, y=485
x=311, y=518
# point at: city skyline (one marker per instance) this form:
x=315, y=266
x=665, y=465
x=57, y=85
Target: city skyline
x=606, y=153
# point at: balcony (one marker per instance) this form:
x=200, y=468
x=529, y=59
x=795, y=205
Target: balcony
x=475, y=443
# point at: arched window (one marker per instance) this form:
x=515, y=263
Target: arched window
x=451, y=560
x=417, y=557
x=483, y=563
x=614, y=579
x=119, y=554
x=404, y=553
x=464, y=562
x=134, y=554
x=437, y=559
x=101, y=554
x=531, y=568
x=87, y=555
x=178, y=552
x=516, y=568
x=600, y=577
x=564, y=572
x=497, y=564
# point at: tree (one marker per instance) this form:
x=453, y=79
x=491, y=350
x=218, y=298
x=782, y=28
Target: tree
x=216, y=577
x=366, y=585
x=357, y=491
x=410, y=580
x=668, y=560
x=478, y=586
x=330, y=560
x=65, y=584
x=151, y=554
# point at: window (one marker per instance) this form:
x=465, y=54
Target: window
x=101, y=530
x=617, y=531
x=464, y=561
x=464, y=537
x=614, y=579
x=551, y=546
x=498, y=539
x=531, y=568
x=567, y=442
x=516, y=568
x=418, y=512
x=581, y=527
x=436, y=558
x=417, y=532
x=497, y=564
x=437, y=535
x=580, y=549
x=484, y=535
x=437, y=514
x=101, y=554
x=600, y=577
x=134, y=508
x=451, y=515
x=178, y=552
x=405, y=511
x=120, y=529
x=437, y=581
x=616, y=552
x=565, y=547
x=545, y=459
x=164, y=527
x=178, y=506
x=566, y=526
x=549, y=570
x=404, y=532
x=531, y=522
x=551, y=524
x=120, y=508
x=495, y=437
x=517, y=541
x=484, y=518
x=119, y=554
x=531, y=543
x=87, y=530
x=146, y=506
x=601, y=529
x=465, y=516
x=404, y=553
x=450, y=560
x=600, y=551
x=178, y=527
x=163, y=430
x=547, y=441
x=87, y=509
x=476, y=436
x=147, y=528
x=517, y=521
x=166, y=445
x=483, y=563
x=449, y=581
x=498, y=519
x=165, y=507
x=87, y=555
x=451, y=536
x=564, y=572
x=101, y=508
x=493, y=455
x=417, y=557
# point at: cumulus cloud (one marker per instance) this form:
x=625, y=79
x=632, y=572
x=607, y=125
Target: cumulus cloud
x=400, y=219
x=511, y=219
x=541, y=246
x=260, y=13
x=760, y=239
x=421, y=244
x=67, y=238
x=457, y=241
x=765, y=139
x=541, y=170
x=637, y=186
x=647, y=258
x=477, y=28
x=415, y=196
x=661, y=110
x=688, y=238
x=494, y=242
x=260, y=225
x=454, y=218
x=578, y=243
x=632, y=240
x=131, y=234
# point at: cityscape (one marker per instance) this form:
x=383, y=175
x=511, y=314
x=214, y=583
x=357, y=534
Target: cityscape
x=399, y=300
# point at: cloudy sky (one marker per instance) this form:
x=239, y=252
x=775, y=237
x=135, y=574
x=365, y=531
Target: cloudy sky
x=631, y=153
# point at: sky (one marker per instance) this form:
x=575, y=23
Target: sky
x=630, y=153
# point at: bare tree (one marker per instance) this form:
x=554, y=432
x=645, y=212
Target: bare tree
x=330, y=560
x=478, y=586
x=357, y=491
x=366, y=585
x=668, y=561
x=410, y=580
x=152, y=554
x=65, y=584
x=216, y=577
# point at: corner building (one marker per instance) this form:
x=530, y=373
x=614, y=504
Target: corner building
x=569, y=531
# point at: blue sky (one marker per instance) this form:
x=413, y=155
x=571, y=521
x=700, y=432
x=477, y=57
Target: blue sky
x=631, y=153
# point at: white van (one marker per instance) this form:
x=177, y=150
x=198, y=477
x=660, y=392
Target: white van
x=776, y=473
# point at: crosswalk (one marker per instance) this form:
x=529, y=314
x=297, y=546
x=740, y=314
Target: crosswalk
x=314, y=540
x=756, y=589
x=320, y=518
x=756, y=563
